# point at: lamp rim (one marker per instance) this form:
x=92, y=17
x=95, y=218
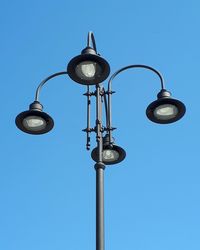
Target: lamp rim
x=49, y=121
x=88, y=57
x=162, y=101
x=120, y=151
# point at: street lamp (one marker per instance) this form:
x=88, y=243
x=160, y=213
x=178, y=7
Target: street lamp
x=89, y=69
x=111, y=153
x=165, y=109
x=34, y=121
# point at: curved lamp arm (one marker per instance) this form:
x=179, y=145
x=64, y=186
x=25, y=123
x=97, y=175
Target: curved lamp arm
x=110, y=89
x=90, y=39
x=136, y=66
x=37, y=94
x=46, y=80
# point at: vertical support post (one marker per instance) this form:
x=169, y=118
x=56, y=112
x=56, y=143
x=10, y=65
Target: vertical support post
x=99, y=166
x=99, y=138
x=88, y=118
x=109, y=113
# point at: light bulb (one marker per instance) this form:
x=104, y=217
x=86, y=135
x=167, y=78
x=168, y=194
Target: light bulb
x=34, y=123
x=110, y=155
x=86, y=70
x=166, y=111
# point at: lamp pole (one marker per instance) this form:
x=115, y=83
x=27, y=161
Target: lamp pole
x=89, y=69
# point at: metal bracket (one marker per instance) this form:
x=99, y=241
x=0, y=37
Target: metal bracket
x=89, y=130
x=90, y=93
x=105, y=129
x=109, y=92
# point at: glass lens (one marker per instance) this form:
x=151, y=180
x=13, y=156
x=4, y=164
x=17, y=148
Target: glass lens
x=87, y=70
x=166, y=111
x=34, y=123
x=110, y=155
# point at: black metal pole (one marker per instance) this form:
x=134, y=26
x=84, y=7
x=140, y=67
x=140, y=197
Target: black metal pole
x=99, y=207
x=99, y=166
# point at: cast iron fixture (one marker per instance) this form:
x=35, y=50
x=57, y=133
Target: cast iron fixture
x=34, y=121
x=88, y=69
x=111, y=153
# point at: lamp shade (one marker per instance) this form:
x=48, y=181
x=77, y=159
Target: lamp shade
x=165, y=110
x=34, y=121
x=88, y=68
x=111, y=153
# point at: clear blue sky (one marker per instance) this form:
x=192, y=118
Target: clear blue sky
x=47, y=183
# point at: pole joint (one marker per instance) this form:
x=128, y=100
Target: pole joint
x=99, y=165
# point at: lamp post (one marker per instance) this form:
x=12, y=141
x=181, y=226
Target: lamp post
x=89, y=69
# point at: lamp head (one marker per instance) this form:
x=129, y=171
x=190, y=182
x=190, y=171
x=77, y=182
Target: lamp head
x=34, y=121
x=88, y=68
x=111, y=154
x=165, y=109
